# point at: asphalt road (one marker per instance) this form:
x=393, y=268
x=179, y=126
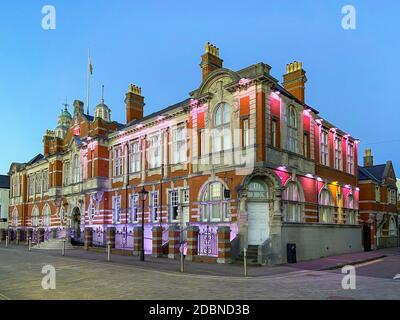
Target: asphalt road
x=77, y=278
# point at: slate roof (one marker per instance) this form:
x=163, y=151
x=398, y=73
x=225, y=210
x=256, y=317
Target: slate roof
x=4, y=182
x=35, y=159
x=374, y=173
x=160, y=112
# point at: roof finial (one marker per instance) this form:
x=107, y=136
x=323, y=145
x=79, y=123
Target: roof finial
x=65, y=104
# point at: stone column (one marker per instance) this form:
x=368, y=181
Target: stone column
x=88, y=238
x=192, y=242
x=174, y=241
x=137, y=240
x=111, y=236
x=157, y=242
x=28, y=235
x=224, y=245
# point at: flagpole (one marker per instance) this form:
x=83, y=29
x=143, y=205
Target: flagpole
x=88, y=84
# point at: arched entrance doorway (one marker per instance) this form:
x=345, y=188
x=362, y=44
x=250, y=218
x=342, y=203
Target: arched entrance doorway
x=76, y=223
x=257, y=212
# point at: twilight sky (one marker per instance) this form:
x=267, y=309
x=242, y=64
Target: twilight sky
x=352, y=74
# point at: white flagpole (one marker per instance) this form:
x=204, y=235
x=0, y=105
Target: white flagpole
x=88, y=84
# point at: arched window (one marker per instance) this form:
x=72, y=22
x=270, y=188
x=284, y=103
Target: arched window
x=293, y=207
x=214, y=204
x=14, y=217
x=35, y=217
x=392, y=227
x=292, y=129
x=326, y=209
x=222, y=124
x=46, y=216
x=351, y=213
x=75, y=169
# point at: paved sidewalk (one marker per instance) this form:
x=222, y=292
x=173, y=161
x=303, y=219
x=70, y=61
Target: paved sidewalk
x=235, y=270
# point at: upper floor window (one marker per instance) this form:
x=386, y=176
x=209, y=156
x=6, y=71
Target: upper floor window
x=292, y=130
x=66, y=172
x=45, y=181
x=38, y=182
x=377, y=193
x=84, y=167
x=338, y=154
x=245, y=133
x=118, y=161
x=16, y=186
x=274, y=132
x=76, y=169
x=306, y=145
x=350, y=158
x=31, y=184
x=179, y=144
x=324, y=147
x=135, y=161
x=202, y=142
x=155, y=152
x=222, y=138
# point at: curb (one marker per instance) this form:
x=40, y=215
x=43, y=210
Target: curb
x=341, y=265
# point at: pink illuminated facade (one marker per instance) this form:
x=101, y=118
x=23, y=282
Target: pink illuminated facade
x=242, y=152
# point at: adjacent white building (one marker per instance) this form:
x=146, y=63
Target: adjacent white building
x=4, y=196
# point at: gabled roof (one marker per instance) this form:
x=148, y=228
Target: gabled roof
x=375, y=173
x=35, y=159
x=4, y=182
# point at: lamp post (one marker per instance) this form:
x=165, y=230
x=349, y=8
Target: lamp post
x=143, y=195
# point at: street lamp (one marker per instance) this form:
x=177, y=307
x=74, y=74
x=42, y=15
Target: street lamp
x=143, y=195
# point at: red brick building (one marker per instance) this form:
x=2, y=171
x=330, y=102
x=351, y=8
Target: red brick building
x=378, y=204
x=243, y=162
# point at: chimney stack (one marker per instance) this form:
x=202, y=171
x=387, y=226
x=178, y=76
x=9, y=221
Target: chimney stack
x=368, y=158
x=134, y=104
x=295, y=79
x=210, y=60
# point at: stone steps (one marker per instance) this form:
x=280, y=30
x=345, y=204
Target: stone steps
x=53, y=244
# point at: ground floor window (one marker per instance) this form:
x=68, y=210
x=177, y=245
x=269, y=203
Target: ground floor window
x=392, y=227
x=116, y=201
x=35, y=217
x=91, y=212
x=352, y=217
x=14, y=217
x=134, y=200
x=173, y=204
x=214, y=204
x=292, y=206
x=46, y=216
x=326, y=208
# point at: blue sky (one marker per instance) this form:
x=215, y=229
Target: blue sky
x=157, y=45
